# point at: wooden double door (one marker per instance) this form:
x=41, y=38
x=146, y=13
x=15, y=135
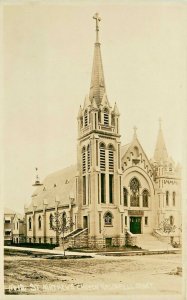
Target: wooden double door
x=135, y=224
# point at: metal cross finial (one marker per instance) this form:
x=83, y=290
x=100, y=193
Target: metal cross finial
x=97, y=19
x=135, y=129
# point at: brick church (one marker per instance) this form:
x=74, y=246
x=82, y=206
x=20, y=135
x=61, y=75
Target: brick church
x=114, y=189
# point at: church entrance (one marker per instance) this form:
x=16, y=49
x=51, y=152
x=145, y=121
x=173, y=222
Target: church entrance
x=135, y=225
x=85, y=222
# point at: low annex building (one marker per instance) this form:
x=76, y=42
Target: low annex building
x=113, y=189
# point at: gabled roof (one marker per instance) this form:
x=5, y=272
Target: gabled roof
x=124, y=149
x=60, y=184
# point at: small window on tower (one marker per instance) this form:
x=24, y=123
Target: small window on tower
x=85, y=118
x=81, y=121
x=106, y=117
x=113, y=120
x=174, y=196
x=83, y=159
x=111, y=158
x=102, y=156
x=167, y=198
x=88, y=157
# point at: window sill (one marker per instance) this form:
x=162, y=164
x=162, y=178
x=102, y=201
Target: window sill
x=108, y=225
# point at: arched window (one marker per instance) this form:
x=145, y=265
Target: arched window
x=174, y=196
x=136, y=152
x=125, y=197
x=64, y=217
x=167, y=198
x=145, y=196
x=99, y=116
x=39, y=222
x=81, y=121
x=134, y=187
x=30, y=223
x=113, y=119
x=108, y=218
x=86, y=118
x=111, y=158
x=88, y=156
x=102, y=157
x=83, y=159
x=50, y=221
x=106, y=117
x=171, y=220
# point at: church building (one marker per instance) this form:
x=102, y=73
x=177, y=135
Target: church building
x=114, y=190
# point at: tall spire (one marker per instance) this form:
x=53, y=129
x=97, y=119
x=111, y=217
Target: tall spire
x=160, y=153
x=97, y=87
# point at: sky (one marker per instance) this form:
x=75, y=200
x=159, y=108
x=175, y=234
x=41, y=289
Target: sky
x=48, y=55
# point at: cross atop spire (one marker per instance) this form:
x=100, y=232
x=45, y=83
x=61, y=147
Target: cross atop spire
x=37, y=181
x=97, y=86
x=135, y=129
x=97, y=19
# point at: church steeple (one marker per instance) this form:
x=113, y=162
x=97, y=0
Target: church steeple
x=160, y=153
x=97, y=87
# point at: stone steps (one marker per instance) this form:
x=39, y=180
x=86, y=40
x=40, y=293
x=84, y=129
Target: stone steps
x=150, y=242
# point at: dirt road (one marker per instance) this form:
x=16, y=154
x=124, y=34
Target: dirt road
x=149, y=274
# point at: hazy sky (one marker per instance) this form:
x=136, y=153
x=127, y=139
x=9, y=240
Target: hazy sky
x=48, y=54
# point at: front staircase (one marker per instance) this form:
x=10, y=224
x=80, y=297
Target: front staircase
x=149, y=242
x=72, y=233
x=75, y=239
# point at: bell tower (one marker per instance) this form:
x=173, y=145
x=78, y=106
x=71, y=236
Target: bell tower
x=98, y=154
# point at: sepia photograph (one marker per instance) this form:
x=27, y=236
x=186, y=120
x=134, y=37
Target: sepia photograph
x=94, y=147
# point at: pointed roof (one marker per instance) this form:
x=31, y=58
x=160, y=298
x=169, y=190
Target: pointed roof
x=160, y=153
x=97, y=86
x=80, y=112
x=116, y=110
x=86, y=102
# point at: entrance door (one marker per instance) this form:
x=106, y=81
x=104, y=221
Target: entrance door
x=135, y=225
x=85, y=221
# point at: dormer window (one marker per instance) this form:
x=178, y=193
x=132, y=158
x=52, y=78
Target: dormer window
x=86, y=118
x=106, y=117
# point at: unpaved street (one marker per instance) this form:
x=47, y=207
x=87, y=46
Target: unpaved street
x=148, y=274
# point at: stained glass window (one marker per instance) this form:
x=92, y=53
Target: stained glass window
x=134, y=187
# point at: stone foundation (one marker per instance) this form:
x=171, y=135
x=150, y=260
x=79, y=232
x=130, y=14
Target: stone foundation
x=131, y=239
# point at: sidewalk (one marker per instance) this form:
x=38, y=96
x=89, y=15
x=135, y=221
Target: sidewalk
x=92, y=255
x=47, y=251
